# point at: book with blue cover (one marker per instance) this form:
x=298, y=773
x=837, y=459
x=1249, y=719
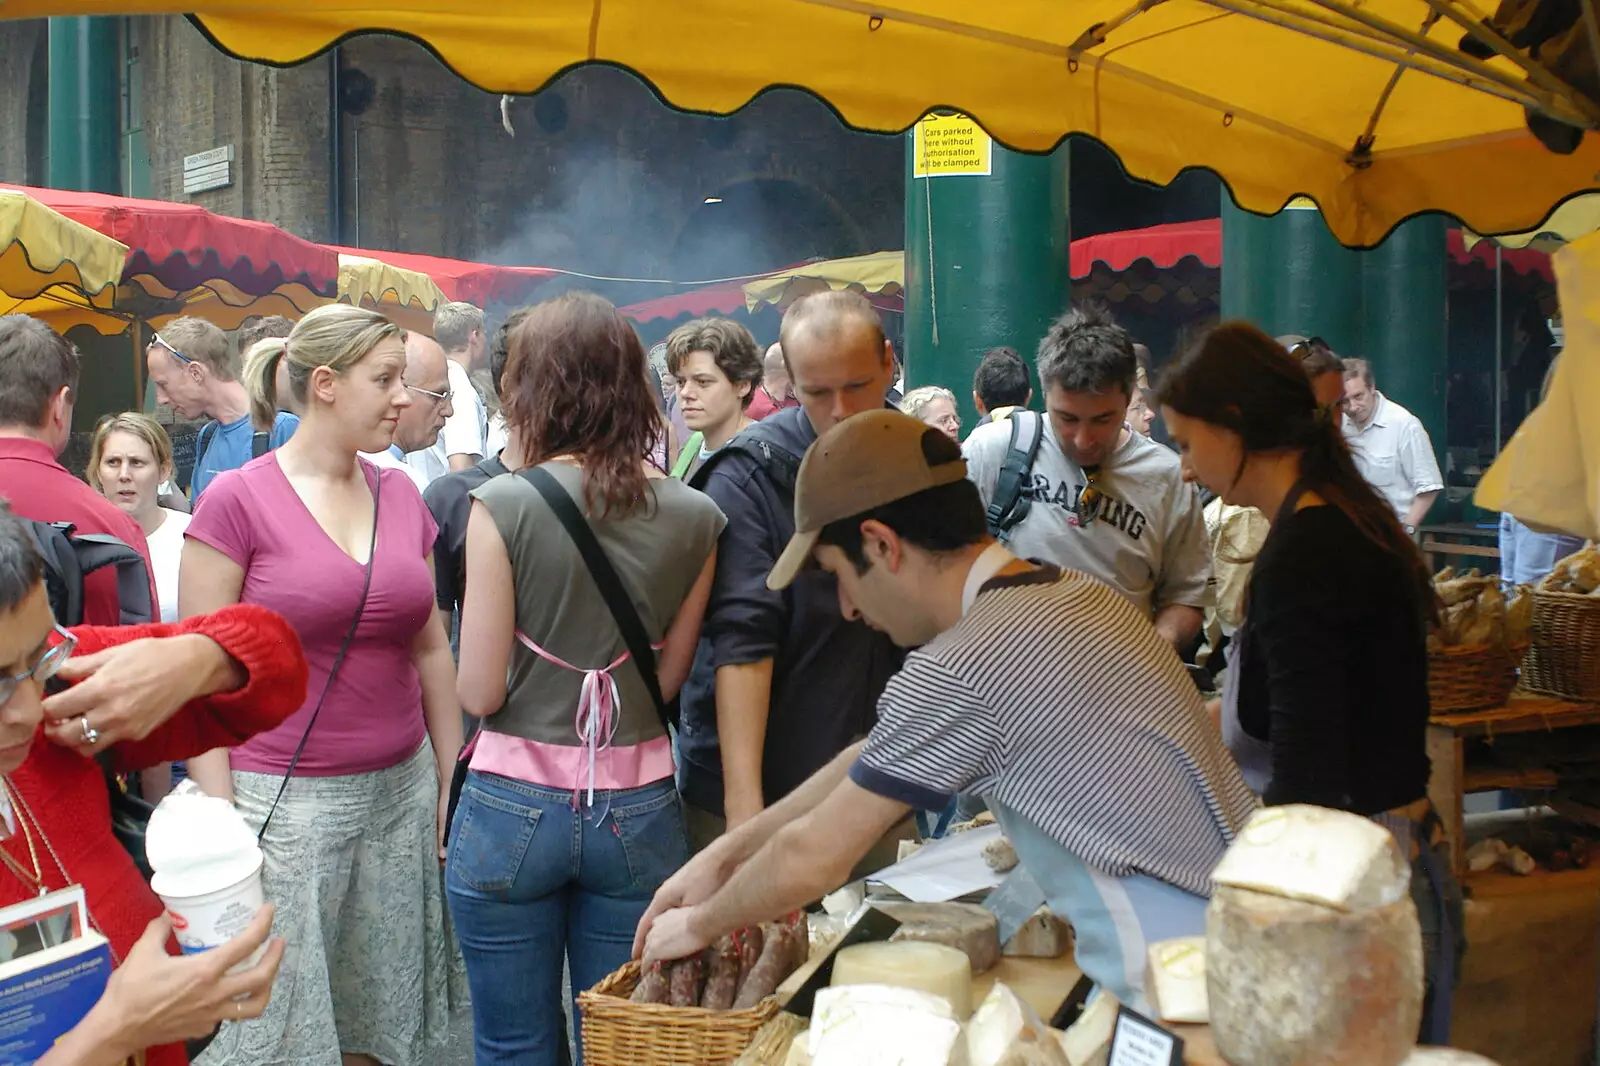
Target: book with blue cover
x=53, y=969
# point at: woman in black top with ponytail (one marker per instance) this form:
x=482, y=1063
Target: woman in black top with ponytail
x=1329, y=702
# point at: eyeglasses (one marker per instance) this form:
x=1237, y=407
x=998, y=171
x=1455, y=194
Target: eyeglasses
x=436, y=397
x=180, y=356
x=1089, y=500
x=44, y=668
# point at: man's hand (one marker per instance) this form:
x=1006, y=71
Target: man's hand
x=154, y=998
x=694, y=883
x=672, y=936
x=126, y=692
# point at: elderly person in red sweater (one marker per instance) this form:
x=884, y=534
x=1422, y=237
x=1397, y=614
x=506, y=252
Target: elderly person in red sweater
x=145, y=694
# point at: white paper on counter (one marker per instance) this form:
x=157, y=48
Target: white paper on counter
x=944, y=869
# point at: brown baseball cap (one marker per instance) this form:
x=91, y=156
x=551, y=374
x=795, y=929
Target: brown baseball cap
x=864, y=462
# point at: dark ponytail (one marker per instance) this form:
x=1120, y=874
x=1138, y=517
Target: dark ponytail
x=1242, y=380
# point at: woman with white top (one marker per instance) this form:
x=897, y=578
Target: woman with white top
x=129, y=459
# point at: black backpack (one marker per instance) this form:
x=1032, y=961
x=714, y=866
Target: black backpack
x=70, y=556
x=1009, y=505
x=779, y=464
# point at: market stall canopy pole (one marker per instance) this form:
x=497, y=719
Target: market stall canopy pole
x=1279, y=97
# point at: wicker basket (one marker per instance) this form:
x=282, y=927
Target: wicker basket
x=619, y=1032
x=1565, y=658
x=1470, y=677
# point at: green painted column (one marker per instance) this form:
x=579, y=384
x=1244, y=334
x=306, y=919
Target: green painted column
x=84, y=101
x=1406, y=311
x=1287, y=274
x=986, y=265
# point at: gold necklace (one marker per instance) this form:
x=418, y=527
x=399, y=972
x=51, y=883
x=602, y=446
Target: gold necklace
x=19, y=814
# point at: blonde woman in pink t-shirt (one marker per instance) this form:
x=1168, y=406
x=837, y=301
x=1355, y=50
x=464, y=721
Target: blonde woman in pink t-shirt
x=349, y=787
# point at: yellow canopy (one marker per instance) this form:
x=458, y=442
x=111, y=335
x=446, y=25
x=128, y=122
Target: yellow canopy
x=1549, y=473
x=56, y=269
x=876, y=273
x=1570, y=221
x=1280, y=97
x=408, y=297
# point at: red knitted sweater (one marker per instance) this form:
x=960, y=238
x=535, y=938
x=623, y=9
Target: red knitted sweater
x=67, y=793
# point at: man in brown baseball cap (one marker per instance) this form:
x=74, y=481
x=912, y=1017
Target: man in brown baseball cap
x=1045, y=691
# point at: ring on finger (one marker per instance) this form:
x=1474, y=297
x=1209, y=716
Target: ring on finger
x=91, y=735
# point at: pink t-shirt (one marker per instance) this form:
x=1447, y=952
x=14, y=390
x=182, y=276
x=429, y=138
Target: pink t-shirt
x=372, y=718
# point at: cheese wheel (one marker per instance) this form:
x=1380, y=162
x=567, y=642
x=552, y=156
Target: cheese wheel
x=934, y=968
x=1176, y=982
x=863, y=1025
x=1291, y=983
x=971, y=929
x=1334, y=858
x=1445, y=1056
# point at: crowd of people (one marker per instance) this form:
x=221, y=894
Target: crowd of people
x=647, y=646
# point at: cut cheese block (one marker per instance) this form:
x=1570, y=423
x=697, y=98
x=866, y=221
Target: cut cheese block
x=1176, y=985
x=1088, y=1041
x=969, y=928
x=1004, y=1031
x=933, y=968
x=1042, y=936
x=1445, y=1056
x=1292, y=983
x=1334, y=858
x=866, y=1025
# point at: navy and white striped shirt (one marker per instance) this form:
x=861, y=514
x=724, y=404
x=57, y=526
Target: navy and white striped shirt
x=1057, y=698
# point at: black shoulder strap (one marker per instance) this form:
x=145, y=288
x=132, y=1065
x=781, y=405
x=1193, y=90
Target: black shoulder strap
x=202, y=441
x=606, y=580
x=260, y=444
x=780, y=464
x=1009, y=505
x=92, y=551
x=63, y=576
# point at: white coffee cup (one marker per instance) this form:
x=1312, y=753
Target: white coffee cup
x=207, y=920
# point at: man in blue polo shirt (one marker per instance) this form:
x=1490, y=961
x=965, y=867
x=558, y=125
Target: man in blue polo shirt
x=1043, y=690
x=196, y=372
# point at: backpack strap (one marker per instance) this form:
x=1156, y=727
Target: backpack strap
x=687, y=454
x=260, y=444
x=1009, y=506
x=94, y=551
x=63, y=577
x=202, y=441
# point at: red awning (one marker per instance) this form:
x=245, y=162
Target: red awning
x=716, y=300
x=474, y=283
x=1167, y=245
x=178, y=248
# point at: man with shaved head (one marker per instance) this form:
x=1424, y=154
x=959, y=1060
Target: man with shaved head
x=428, y=381
x=781, y=681
x=774, y=393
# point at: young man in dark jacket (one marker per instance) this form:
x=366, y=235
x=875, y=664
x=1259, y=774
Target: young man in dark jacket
x=782, y=682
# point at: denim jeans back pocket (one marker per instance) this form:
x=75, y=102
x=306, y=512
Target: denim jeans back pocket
x=655, y=838
x=490, y=841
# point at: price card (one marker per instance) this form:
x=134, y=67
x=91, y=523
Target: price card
x=1138, y=1041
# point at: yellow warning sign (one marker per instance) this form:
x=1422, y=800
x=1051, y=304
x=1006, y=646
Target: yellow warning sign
x=949, y=145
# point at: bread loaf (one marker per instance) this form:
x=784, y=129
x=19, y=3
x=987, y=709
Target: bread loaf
x=1292, y=983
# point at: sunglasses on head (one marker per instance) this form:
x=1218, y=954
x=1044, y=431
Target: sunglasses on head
x=177, y=354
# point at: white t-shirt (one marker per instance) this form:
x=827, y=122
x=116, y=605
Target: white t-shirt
x=1149, y=541
x=388, y=458
x=465, y=432
x=1395, y=455
x=166, y=551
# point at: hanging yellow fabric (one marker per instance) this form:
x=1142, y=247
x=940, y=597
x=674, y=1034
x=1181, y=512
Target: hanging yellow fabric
x=408, y=297
x=56, y=269
x=877, y=273
x=1276, y=96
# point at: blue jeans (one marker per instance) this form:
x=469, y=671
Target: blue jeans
x=531, y=878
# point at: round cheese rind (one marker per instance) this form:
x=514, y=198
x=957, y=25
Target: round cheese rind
x=943, y=971
x=972, y=929
x=1292, y=983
